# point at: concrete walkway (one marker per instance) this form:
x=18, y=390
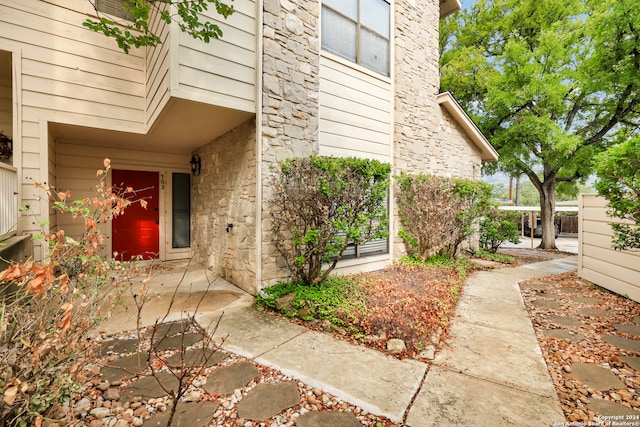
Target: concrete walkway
x=491, y=373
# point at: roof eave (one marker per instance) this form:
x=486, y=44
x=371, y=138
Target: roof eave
x=488, y=153
x=447, y=7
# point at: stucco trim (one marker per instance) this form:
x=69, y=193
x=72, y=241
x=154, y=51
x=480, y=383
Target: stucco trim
x=489, y=154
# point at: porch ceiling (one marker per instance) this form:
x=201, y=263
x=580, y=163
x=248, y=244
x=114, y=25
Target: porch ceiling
x=181, y=127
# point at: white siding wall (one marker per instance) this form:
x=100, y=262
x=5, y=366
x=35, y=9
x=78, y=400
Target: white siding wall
x=222, y=72
x=355, y=112
x=618, y=271
x=69, y=74
x=158, y=65
x=76, y=171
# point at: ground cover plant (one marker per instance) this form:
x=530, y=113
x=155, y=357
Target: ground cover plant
x=412, y=301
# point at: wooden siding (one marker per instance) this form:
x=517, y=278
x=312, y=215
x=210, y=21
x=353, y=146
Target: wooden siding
x=355, y=112
x=222, y=72
x=158, y=70
x=618, y=271
x=76, y=171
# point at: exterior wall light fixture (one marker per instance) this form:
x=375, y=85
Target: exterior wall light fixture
x=196, y=165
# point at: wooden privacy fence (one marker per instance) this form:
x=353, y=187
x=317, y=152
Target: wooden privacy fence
x=618, y=271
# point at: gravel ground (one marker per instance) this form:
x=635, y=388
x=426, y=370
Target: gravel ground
x=82, y=412
x=554, y=299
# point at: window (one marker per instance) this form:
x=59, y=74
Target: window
x=115, y=8
x=359, y=31
x=181, y=211
x=369, y=248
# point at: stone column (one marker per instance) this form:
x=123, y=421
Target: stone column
x=291, y=55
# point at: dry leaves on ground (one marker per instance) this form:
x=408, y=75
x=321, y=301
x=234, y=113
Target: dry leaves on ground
x=595, y=312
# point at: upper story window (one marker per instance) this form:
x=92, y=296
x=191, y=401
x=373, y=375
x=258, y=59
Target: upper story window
x=114, y=8
x=359, y=31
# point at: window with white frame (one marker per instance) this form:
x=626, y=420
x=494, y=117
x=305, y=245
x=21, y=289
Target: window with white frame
x=358, y=30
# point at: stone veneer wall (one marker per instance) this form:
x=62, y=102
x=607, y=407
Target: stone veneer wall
x=455, y=155
x=291, y=56
x=426, y=138
x=225, y=193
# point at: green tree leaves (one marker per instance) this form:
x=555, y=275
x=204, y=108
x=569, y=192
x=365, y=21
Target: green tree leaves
x=618, y=172
x=188, y=14
x=551, y=83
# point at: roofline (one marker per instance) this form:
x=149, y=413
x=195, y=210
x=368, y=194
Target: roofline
x=489, y=154
x=447, y=7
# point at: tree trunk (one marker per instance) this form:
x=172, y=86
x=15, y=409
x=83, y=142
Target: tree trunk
x=547, y=213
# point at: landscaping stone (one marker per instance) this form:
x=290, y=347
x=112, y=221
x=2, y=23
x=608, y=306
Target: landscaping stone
x=328, y=419
x=197, y=357
x=111, y=393
x=178, y=342
x=149, y=387
x=127, y=367
x=607, y=408
x=396, y=345
x=564, y=321
x=226, y=379
x=167, y=330
x=632, y=361
x=596, y=377
x=628, y=329
x=534, y=285
x=188, y=414
x=568, y=290
x=586, y=300
x=267, y=400
x=118, y=346
x=595, y=312
x=429, y=353
x=100, y=413
x=564, y=334
x=547, y=304
x=285, y=302
x=623, y=343
x=636, y=320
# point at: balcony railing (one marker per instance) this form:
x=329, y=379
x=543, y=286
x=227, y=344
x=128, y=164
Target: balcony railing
x=8, y=201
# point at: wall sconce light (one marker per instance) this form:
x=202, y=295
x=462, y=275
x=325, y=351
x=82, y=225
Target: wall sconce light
x=196, y=165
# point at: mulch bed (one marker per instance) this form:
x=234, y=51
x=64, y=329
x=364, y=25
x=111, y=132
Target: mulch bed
x=574, y=320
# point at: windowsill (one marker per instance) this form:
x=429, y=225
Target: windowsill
x=362, y=260
x=356, y=67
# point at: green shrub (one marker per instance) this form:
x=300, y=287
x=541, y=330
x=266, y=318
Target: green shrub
x=323, y=204
x=438, y=213
x=498, y=227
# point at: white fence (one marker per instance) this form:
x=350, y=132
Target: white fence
x=8, y=200
x=618, y=271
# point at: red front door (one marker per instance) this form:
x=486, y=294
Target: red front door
x=137, y=232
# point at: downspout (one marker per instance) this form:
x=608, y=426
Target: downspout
x=259, y=201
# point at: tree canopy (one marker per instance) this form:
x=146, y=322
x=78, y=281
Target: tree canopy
x=551, y=83
x=619, y=182
x=137, y=31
